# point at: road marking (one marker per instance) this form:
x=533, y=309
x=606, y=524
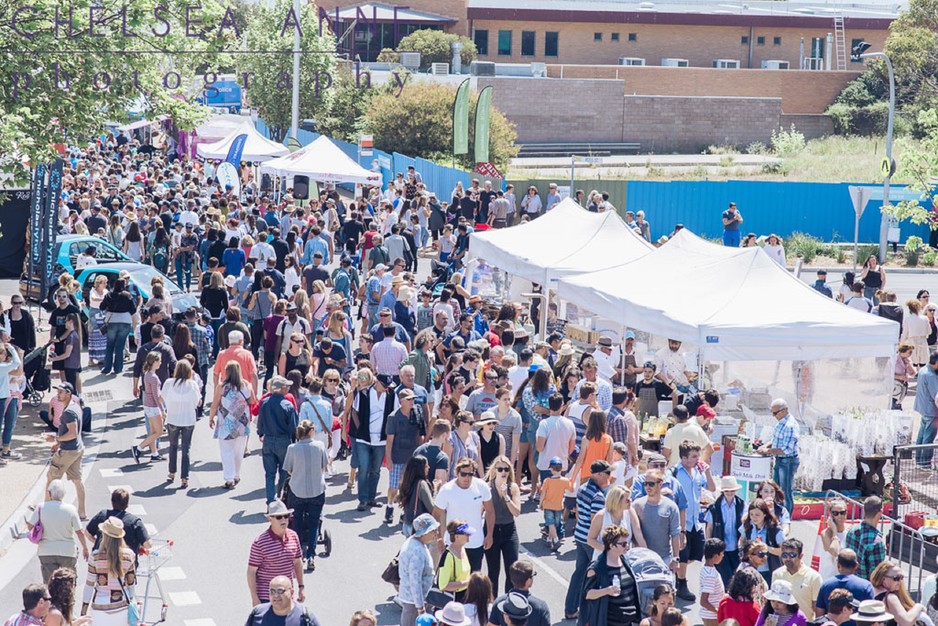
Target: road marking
x=204, y=621
x=151, y=529
x=111, y=472
x=547, y=568
x=172, y=573
x=185, y=598
x=127, y=488
x=136, y=509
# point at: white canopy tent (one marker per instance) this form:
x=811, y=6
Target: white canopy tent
x=567, y=240
x=322, y=161
x=257, y=148
x=736, y=304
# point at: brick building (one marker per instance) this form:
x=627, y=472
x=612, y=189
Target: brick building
x=605, y=31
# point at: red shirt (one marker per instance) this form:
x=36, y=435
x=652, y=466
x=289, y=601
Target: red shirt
x=367, y=243
x=274, y=556
x=746, y=613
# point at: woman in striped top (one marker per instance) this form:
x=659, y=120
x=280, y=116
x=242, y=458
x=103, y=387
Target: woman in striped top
x=111, y=580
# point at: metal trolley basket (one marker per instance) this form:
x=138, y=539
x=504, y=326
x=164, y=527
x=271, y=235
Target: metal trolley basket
x=149, y=563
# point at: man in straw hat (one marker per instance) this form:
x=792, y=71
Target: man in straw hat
x=276, y=552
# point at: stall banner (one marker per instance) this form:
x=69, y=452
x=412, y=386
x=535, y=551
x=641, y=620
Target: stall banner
x=236, y=150
x=50, y=225
x=35, y=215
x=14, y=215
x=461, y=119
x=483, y=121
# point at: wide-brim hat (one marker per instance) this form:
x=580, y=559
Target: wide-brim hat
x=423, y=524
x=277, y=507
x=516, y=606
x=566, y=349
x=780, y=592
x=453, y=614
x=113, y=527
x=729, y=483
x=872, y=611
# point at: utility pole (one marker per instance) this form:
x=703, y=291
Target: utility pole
x=295, y=110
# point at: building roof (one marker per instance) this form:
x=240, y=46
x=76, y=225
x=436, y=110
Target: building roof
x=793, y=13
x=375, y=12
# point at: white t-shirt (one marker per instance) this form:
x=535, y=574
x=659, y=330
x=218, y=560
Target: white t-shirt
x=712, y=585
x=859, y=303
x=517, y=374
x=465, y=504
x=181, y=401
x=262, y=251
x=558, y=431
x=59, y=524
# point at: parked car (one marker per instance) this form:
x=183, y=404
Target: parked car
x=140, y=276
x=64, y=255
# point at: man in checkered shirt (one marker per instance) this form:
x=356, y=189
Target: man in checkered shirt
x=865, y=538
x=784, y=448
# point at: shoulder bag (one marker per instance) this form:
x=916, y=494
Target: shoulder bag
x=133, y=609
x=392, y=573
x=322, y=423
x=35, y=533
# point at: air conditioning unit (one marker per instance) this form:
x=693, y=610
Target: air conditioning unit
x=539, y=70
x=482, y=68
x=775, y=65
x=410, y=60
x=631, y=61
x=439, y=69
x=726, y=64
x=674, y=63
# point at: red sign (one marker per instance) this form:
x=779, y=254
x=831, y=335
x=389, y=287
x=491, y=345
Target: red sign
x=487, y=169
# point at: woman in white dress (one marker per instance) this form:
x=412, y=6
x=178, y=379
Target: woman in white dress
x=915, y=330
x=773, y=247
x=617, y=512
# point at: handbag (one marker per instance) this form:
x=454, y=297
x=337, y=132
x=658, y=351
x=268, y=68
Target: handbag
x=133, y=609
x=436, y=597
x=103, y=328
x=392, y=573
x=322, y=424
x=35, y=533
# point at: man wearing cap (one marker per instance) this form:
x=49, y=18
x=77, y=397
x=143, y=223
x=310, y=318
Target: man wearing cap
x=406, y=431
x=590, y=498
x=385, y=319
x=276, y=426
x=36, y=605
x=521, y=574
x=608, y=358
x=722, y=521
x=276, y=552
x=820, y=285
x=67, y=445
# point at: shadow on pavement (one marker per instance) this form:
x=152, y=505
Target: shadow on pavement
x=242, y=518
x=387, y=613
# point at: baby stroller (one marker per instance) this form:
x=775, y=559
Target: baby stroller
x=439, y=277
x=36, y=375
x=325, y=537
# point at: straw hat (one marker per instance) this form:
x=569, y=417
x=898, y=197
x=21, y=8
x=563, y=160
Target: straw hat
x=872, y=611
x=453, y=614
x=113, y=527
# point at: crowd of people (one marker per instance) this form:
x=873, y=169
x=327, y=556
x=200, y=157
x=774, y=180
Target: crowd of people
x=315, y=332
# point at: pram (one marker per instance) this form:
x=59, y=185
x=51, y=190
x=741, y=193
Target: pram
x=439, y=276
x=325, y=537
x=37, y=375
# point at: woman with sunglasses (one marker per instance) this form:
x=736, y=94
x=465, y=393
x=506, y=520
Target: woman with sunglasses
x=833, y=538
x=753, y=555
x=464, y=443
x=333, y=391
x=296, y=357
x=610, y=594
x=22, y=325
x=506, y=500
x=617, y=511
x=889, y=585
x=761, y=523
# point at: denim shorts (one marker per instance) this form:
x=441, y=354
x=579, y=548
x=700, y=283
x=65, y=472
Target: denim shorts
x=553, y=518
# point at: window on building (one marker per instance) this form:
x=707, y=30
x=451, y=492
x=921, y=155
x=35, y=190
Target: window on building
x=597, y=36
x=614, y=36
x=776, y=41
x=481, y=40
x=527, y=43
x=760, y=41
x=504, y=43
x=744, y=40
x=551, y=40
x=853, y=44
x=633, y=36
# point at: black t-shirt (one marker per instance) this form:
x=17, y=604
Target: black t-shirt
x=281, y=249
x=731, y=215
x=94, y=222
x=264, y=615
x=485, y=197
x=352, y=231
x=135, y=532
x=622, y=608
x=468, y=207
x=540, y=613
x=57, y=319
x=435, y=457
x=337, y=353
x=313, y=273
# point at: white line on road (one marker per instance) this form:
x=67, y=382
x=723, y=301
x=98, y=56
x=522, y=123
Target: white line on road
x=547, y=568
x=111, y=472
x=171, y=573
x=184, y=598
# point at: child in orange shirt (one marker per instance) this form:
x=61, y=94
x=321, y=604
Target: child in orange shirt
x=552, y=490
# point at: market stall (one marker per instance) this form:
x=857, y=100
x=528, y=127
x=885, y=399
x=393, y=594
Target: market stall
x=322, y=161
x=256, y=149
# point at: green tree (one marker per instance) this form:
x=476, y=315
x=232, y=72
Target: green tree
x=269, y=87
x=351, y=98
x=420, y=123
x=434, y=47
x=920, y=163
x=53, y=86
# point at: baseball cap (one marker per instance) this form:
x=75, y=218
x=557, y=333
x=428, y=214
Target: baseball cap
x=629, y=334
x=556, y=462
x=385, y=379
x=66, y=387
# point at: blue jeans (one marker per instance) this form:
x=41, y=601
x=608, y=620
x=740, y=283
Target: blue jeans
x=117, y=334
x=731, y=238
x=9, y=419
x=784, y=475
x=307, y=516
x=175, y=434
x=273, y=453
x=183, y=271
x=555, y=519
x=926, y=435
x=584, y=556
x=369, y=469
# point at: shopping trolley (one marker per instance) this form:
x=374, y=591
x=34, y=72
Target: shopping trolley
x=149, y=562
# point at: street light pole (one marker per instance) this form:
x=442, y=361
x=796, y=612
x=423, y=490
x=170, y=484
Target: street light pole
x=859, y=53
x=295, y=109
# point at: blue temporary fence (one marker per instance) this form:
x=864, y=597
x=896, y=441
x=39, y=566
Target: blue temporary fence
x=823, y=210
x=438, y=178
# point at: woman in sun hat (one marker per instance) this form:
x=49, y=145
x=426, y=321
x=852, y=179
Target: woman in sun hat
x=416, y=568
x=453, y=614
x=781, y=603
x=872, y=613
x=109, y=588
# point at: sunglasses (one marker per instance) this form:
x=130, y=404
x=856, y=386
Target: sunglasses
x=17, y=302
x=652, y=483
x=466, y=474
x=838, y=513
x=897, y=577
x=789, y=555
x=332, y=380
x=761, y=555
x=491, y=378
x=278, y=591
x=503, y=470
x=279, y=517
x=777, y=411
x=622, y=544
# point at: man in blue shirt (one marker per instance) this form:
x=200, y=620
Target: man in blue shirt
x=276, y=426
x=670, y=488
x=465, y=331
x=925, y=392
x=692, y=481
x=784, y=448
x=846, y=578
x=315, y=244
x=373, y=292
